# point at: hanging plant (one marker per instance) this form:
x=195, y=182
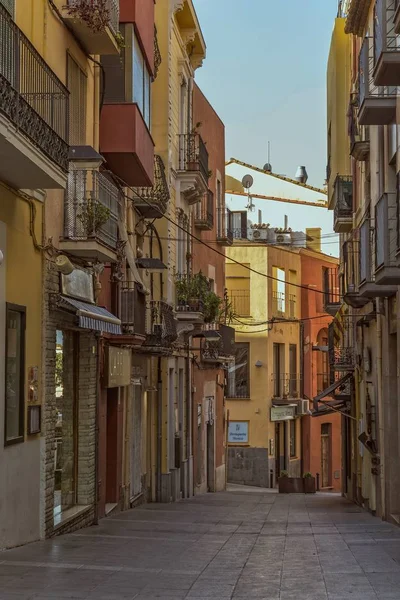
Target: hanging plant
x=95, y=14
x=93, y=216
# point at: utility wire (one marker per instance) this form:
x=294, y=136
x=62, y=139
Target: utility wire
x=122, y=183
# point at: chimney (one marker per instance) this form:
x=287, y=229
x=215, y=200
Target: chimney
x=286, y=223
x=259, y=217
x=314, y=238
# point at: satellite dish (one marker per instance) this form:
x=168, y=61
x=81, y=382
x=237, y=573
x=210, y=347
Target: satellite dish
x=247, y=182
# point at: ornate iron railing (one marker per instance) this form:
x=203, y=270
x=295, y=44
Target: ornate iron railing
x=157, y=54
x=132, y=308
x=204, y=212
x=31, y=95
x=110, y=8
x=91, y=208
x=154, y=200
x=343, y=198
x=224, y=225
x=160, y=325
x=341, y=358
x=193, y=155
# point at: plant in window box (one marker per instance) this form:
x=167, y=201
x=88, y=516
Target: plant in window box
x=95, y=15
x=93, y=215
x=309, y=483
x=290, y=485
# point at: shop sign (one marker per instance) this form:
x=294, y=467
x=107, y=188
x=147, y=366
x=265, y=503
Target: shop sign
x=118, y=370
x=238, y=432
x=283, y=413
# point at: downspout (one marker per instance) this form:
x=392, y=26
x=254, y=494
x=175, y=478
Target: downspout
x=379, y=400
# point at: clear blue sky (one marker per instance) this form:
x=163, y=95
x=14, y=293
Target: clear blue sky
x=265, y=76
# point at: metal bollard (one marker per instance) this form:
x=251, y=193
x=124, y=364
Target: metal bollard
x=317, y=477
x=271, y=478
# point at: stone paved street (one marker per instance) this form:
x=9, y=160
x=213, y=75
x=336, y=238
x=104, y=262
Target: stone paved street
x=247, y=543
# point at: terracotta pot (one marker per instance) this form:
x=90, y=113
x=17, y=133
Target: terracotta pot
x=309, y=485
x=291, y=485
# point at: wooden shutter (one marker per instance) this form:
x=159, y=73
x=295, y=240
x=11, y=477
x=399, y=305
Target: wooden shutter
x=77, y=85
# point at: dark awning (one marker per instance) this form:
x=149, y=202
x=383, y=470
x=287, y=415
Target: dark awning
x=329, y=407
x=91, y=316
x=329, y=390
x=151, y=264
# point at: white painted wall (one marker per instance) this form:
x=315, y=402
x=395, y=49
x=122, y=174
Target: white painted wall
x=19, y=464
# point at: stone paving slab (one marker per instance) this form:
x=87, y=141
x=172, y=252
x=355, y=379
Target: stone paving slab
x=247, y=543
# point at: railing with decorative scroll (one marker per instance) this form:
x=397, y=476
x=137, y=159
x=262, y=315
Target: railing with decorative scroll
x=31, y=95
x=153, y=201
x=193, y=154
x=221, y=350
x=105, y=11
x=204, y=212
x=160, y=326
x=366, y=64
x=224, y=225
x=157, y=54
x=343, y=198
x=132, y=309
x=341, y=358
x=91, y=208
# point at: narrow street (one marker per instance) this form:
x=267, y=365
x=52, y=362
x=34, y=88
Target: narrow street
x=246, y=543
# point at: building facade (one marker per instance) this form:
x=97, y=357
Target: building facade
x=364, y=347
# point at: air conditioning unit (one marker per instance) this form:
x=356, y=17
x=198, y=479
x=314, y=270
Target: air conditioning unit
x=258, y=234
x=283, y=238
x=303, y=407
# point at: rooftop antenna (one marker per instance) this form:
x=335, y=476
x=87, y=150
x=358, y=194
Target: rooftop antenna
x=247, y=182
x=267, y=166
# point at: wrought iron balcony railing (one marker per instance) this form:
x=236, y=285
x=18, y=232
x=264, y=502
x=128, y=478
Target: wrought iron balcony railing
x=343, y=202
x=341, y=358
x=286, y=385
x=218, y=351
x=358, y=134
x=386, y=44
x=240, y=300
x=152, y=202
x=193, y=154
x=132, y=309
x=224, y=226
x=31, y=95
x=160, y=326
x=278, y=304
x=331, y=291
x=107, y=11
x=204, y=212
x=91, y=208
x=157, y=54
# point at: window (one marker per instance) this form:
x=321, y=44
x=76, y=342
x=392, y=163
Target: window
x=77, y=86
x=238, y=373
x=15, y=374
x=293, y=370
x=278, y=369
x=293, y=438
x=141, y=83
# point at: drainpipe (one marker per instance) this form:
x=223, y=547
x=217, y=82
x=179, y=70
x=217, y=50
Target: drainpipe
x=379, y=401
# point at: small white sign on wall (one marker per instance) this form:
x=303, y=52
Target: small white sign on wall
x=238, y=432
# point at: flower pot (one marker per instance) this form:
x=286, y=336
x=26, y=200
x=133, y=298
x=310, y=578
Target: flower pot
x=291, y=485
x=309, y=485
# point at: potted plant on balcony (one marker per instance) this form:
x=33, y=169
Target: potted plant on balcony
x=95, y=15
x=290, y=485
x=309, y=483
x=93, y=215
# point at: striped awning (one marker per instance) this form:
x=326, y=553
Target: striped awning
x=91, y=316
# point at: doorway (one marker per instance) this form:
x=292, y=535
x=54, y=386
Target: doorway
x=326, y=459
x=112, y=495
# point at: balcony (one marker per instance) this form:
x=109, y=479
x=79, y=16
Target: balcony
x=386, y=44
x=152, y=202
x=368, y=287
x=34, y=107
x=161, y=330
x=240, y=301
x=351, y=273
x=126, y=144
x=331, y=292
x=286, y=386
x=278, y=304
x=204, y=212
x=341, y=358
x=359, y=137
x=217, y=352
x=224, y=226
x=387, y=271
x=91, y=208
x=343, y=204
x=141, y=13
x=132, y=314
x=377, y=104
x=95, y=23
x=193, y=167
